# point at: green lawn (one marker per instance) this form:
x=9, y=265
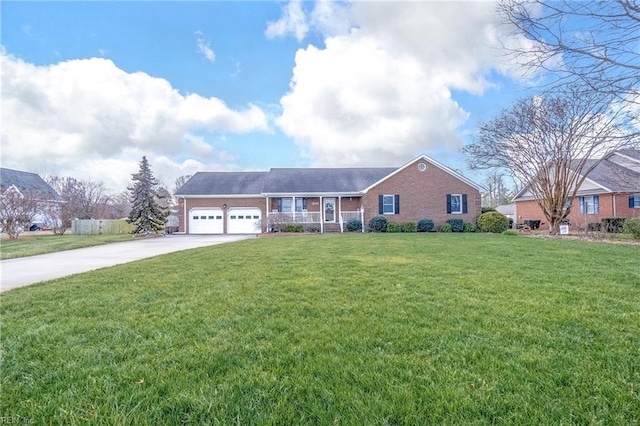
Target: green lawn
x=343, y=329
x=29, y=244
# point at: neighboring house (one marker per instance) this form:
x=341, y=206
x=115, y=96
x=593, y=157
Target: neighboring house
x=612, y=189
x=29, y=185
x=247, y=202
x=509, y=210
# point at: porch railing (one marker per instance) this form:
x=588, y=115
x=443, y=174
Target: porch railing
x=294, y=217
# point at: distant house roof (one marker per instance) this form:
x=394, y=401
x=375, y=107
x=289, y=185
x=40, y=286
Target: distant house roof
x=619, y=172
x=27, y=183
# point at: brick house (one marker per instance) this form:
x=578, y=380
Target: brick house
x=325, y=199
x=612, y=189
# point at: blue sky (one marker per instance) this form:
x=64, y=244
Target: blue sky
x=90, y=87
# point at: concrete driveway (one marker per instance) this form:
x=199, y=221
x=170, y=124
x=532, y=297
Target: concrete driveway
x=29, y=270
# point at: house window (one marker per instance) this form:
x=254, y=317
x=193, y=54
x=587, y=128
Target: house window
x=589, y=204
x=456, y=203
x=389, y=204
x=284, y=205
x=634, y=201
x=301, y=204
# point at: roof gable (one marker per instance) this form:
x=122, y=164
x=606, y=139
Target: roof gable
x=433, y=162
x=27, y=182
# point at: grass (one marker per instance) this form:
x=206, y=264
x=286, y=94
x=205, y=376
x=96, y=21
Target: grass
x=33, y=244
x=344, y=329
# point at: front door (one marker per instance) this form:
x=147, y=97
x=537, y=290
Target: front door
x=329, y=209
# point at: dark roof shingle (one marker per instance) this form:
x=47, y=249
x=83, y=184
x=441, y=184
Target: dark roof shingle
x=343, y=180
x=224, y=183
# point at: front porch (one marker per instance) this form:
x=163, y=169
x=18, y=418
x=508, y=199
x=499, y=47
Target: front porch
x=321, y=213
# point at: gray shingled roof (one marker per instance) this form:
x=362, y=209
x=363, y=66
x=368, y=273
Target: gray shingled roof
x=224, y=183
x=284, y=181
x=27, y=183
x=633, y=153
x=614, y=176
x=343, y=180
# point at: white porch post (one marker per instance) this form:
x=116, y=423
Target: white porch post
x=266, y=213
x=362, y=217
x=293, y=207
x=321, y=216
x=340, y=206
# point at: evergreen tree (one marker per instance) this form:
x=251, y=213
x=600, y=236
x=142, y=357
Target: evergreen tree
x=146, y=213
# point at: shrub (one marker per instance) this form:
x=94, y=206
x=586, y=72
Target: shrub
x=445, y=227
x=409, y=226
x=493, y=222
x=613, y=224
x=292, y=227
x=457, y=225
x=354, y=225
x=378, y=224
x=487, y=209
x=312, y=228
x=425, y=225
x=632, y=226
x=393, y=227
x=470, y=227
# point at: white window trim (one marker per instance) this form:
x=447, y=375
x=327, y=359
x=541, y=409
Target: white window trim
x=460, y=204
x=393, y=204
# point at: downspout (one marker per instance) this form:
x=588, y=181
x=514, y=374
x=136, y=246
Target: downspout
x=184, y=214
x=362, y=217
x=614, y=206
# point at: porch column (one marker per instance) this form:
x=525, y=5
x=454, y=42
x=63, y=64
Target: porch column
x=340, y=217
x=321, y=216
x=293, y=207
x=362, y=217
x=266, y=214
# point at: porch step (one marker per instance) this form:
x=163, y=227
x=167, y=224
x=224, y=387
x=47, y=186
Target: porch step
x=331, y=228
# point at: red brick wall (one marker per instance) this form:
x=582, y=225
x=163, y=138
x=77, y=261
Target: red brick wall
x=423, y=195
x=526, y=210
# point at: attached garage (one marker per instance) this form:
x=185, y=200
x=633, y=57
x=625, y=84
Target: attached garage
x=206, y=221
x=243, y=220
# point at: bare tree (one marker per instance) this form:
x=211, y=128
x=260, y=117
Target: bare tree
x=17, y=211
x=497, y=191
x=552, y=144
x=84, y=199
x=180, y=181
x=593, y=43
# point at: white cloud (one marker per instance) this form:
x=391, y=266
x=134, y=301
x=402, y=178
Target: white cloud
x=204, y=47
x=380, y=90
x=293, y=21
x=91, y=119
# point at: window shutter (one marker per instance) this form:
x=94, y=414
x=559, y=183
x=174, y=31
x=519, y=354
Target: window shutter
x=280, y=205
x=448, y=203
x=380, y=207
x=464, y=203
x=632, y=202
x=396, y=203
x=581, y=205
x=596, y=202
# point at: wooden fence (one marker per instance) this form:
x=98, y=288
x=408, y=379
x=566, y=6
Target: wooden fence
x=100, y=226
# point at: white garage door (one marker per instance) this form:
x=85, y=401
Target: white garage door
x=243, y=220
x=205, y=221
